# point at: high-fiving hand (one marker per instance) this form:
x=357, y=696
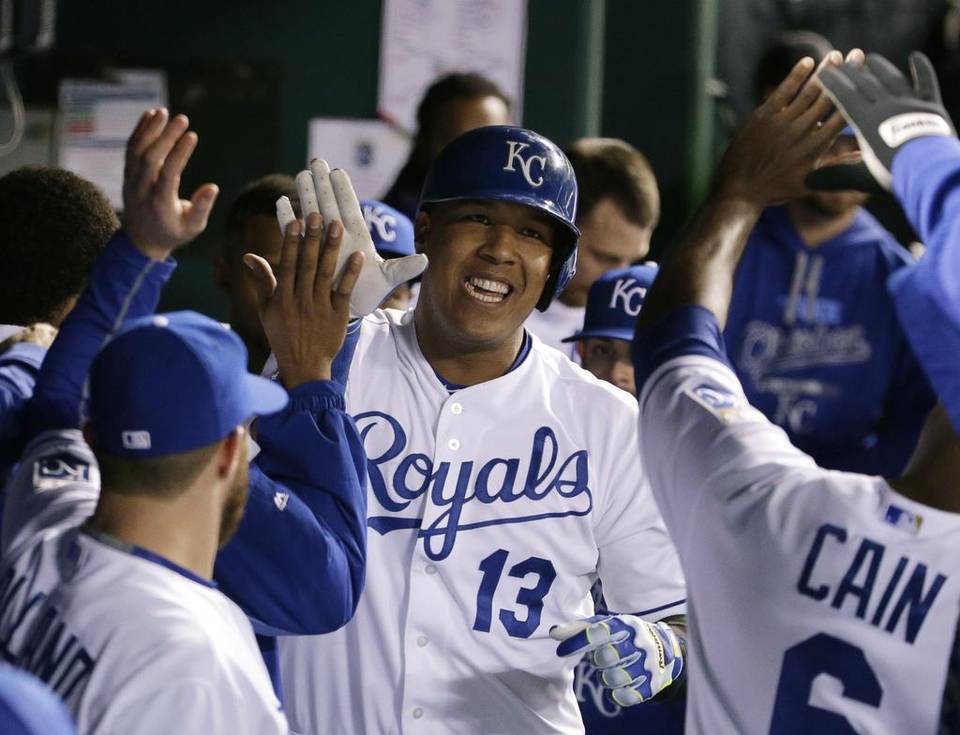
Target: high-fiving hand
x=303, y=313
x=783, y=139
x=155, y=218
x=885, y=110
x=331, y=194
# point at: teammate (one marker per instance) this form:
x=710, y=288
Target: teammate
x=820, y=601
x=317, y=513
x=453, y=104
x=251, y=228
x=392, y=235
x=53, y=224
x=495, y=501
x=603, y=342
x=617, y=212
x=812, y=332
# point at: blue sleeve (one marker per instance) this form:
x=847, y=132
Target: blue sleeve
x=123, y=284
x=296, y=563
x=340, y=369
x=926, y=180
x=19, y=367
x=687, y=330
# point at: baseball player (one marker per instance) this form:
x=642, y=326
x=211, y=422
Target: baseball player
x=603, y=343
x=812, y=331
x=495, y=500
x=317, y=513
x=617, y=210
x=392, y=235
x=850, y=581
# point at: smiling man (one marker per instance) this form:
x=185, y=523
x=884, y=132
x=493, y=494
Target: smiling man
x=495, y=500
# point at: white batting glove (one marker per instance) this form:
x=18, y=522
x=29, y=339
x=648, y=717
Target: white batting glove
x=331, y=194
x=637, y=659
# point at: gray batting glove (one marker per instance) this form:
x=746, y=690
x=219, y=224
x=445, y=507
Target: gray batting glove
x=885, y=111
x=331, y=194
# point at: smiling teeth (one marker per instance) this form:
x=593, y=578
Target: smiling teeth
x=489, y=298
x=488, y=285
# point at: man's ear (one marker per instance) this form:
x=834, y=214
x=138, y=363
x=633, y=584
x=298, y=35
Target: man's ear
x=581, y=348
x=221, y=273
x=230, y=452
x=421, y=230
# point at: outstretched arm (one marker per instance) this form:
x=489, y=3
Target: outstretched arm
x=130, y=273
x=297, y=562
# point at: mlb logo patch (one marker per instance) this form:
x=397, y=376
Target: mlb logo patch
x=53, y=472
x=902, y=518
x=723, y=404
x=135, y=439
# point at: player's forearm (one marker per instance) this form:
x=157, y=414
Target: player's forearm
x=699, y=269
x=297, y=563
x=123, y=284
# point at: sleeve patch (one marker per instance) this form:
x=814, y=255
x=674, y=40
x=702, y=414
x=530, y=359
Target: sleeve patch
x=62, y=469
x=722, y=403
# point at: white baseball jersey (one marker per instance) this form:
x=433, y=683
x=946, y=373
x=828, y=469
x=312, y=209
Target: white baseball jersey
x=820, y=601
x=556, y=324
x=492, y=510
x=132, y=643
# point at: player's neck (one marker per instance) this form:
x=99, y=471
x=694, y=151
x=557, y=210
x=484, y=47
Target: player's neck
x=815, y=226
x=463, y=363
x=931, y=475
x=180, y=532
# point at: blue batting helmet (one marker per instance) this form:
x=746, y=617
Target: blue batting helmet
x=512, y=164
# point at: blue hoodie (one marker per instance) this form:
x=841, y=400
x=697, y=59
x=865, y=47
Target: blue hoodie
x=802, y=323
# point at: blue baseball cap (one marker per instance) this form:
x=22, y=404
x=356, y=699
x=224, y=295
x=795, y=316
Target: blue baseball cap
x=169, y=383
x=392, y=231
x=614, y=302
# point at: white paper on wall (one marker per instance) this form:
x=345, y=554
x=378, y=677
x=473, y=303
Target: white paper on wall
x=423, y=39
x=371, y=151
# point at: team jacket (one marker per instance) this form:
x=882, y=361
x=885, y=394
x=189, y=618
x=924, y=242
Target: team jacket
x=814, y=339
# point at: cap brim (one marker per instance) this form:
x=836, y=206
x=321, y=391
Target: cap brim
x=625, y=334
x=266, y=396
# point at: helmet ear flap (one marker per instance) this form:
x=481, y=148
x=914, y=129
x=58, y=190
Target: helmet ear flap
x=562, y=267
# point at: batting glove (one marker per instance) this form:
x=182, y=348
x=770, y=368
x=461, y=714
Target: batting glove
x=331, y=194
x=637, y=659
x=885, y=111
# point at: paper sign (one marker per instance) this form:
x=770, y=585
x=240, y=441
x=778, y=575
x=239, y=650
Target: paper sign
x=422, y=39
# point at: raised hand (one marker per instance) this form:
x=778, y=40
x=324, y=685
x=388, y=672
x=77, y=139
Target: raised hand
x=303, y=312
x=155, y=218
x=331, y=194
x=886, y=111
x=782, y=140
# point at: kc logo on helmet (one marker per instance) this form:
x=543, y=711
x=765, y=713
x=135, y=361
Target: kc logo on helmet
x=385, y=224
x=514, y=150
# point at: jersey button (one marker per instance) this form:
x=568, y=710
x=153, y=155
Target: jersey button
x=431, y=569
x=454, y=444
x=456, y=409
x=422, y=641
x=417, y=713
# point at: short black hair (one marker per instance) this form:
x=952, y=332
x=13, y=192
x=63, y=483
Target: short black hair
x=609, y=168
x=783, y=54
x=450, y=87
x=258, y=199
x=53, y=225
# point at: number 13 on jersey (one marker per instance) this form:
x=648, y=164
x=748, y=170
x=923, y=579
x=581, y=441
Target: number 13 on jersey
x=517, y=622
